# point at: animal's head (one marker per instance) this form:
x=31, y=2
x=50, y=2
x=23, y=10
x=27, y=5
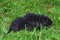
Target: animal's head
x=45, y=21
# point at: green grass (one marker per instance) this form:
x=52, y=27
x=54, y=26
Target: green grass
x=11, y=9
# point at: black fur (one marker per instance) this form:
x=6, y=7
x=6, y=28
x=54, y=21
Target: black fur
x=31, y=21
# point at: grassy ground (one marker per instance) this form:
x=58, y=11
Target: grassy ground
x=11, y=9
